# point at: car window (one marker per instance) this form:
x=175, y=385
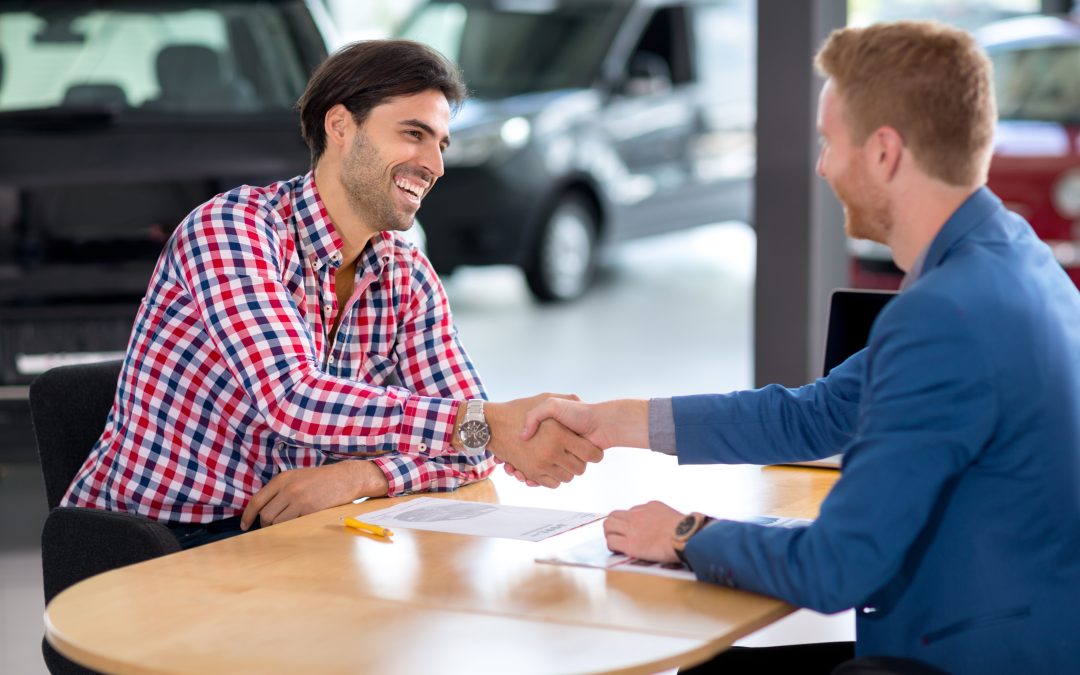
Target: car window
x=1039, y=83
x=174, y=58
x=517, y=47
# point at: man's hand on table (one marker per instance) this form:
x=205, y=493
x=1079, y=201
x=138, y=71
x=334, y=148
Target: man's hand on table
x=298, y=492
x=553, y=455
x=646, y=531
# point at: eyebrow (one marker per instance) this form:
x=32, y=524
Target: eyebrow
x=426, y=128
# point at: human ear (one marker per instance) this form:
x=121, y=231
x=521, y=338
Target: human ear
x=337, y=124
x=888, y=146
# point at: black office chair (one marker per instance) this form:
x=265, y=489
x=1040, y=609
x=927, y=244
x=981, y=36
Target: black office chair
x=69, y=406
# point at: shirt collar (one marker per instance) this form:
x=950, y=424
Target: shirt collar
x=318, y=237
x=975, y=209
x=378, y=252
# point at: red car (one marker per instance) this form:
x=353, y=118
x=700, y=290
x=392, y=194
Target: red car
x=1036, y=163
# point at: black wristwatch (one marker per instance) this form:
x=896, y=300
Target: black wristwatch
x=688, y=527
x=474, y=431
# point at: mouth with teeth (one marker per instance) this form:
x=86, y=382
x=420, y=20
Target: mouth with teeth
x=412, y=189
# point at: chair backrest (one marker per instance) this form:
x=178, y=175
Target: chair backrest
x=69, y=406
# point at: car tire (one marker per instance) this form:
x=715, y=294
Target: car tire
x=563, y=260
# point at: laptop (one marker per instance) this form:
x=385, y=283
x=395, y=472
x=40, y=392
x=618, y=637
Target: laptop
x=851, y=315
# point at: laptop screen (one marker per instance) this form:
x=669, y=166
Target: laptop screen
x=851, y=314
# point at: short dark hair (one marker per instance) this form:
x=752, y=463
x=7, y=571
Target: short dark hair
x=364, y=74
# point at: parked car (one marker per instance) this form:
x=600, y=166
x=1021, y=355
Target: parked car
x=116, y=119
x=1036, y=163
x=590, y=122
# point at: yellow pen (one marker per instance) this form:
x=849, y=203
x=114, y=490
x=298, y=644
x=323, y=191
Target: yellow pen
x=368, y=527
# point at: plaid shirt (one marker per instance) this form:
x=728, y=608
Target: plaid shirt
x=229, y=378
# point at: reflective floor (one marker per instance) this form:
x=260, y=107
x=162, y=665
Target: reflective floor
x=669, y=315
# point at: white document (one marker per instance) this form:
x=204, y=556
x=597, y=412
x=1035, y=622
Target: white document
x=479, y=518
x=595, y=553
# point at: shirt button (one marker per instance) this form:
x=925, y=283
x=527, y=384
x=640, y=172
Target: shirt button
x=328, y=308
x=423, y=447
x=330, y=360
x=280, y=447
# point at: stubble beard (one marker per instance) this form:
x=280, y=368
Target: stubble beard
x=866, y=210
x=368, y=190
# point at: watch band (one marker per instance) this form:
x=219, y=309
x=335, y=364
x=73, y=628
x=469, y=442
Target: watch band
x=687, y=528
x=474, y=410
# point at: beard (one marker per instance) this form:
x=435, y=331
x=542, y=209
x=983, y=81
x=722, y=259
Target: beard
x=867, y=214
x=369, y=190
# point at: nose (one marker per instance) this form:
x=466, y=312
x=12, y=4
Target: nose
x=432, y=160
x=819, y=168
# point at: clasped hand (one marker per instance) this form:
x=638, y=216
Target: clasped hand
x=551, y=455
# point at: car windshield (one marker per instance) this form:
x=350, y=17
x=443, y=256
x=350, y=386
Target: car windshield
x=175, y=57
x=511, y=47
x=1039, y=83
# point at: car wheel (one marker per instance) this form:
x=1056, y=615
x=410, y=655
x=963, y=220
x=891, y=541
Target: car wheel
x=564, y=259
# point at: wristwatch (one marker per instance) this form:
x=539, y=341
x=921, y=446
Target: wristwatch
x=688, y=527
x=474, y=432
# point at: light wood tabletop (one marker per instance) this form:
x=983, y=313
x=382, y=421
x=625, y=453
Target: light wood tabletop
x=310, y=595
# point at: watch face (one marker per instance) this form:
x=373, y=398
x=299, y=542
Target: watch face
x=685, y=526
x=474, y=434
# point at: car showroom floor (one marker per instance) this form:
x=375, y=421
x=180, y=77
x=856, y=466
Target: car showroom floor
x=669, y=315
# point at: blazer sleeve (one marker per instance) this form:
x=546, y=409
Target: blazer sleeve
x=928, y=410
x=771, y=425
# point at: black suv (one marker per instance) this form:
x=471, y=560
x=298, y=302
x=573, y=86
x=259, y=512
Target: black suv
x=116, y=119
x=590, y=122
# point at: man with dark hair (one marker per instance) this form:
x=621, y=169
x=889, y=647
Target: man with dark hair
x=280, y=320
x=954, y=529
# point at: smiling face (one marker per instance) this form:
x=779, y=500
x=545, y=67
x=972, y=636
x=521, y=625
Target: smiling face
x=395, y=159
x=843, y=166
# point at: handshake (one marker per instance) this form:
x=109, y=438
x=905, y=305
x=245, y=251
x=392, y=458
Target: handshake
x=548, y=439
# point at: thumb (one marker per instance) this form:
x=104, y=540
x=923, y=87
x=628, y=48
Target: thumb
x=536, y=415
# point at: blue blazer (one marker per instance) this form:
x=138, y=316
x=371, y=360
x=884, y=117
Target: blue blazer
x=954, y=529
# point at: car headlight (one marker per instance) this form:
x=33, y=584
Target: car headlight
x=1066, y=194
x=490, y=142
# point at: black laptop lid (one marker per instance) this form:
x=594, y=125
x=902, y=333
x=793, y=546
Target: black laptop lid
x=851, y=314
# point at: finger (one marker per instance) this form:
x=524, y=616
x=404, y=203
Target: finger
x=582, y=449
x=572, y=463
x=258, y=501
x=560, y=474
x=535, y=416
x=269, y=513
x=288, y=513
x=547, y=481
x=617, y=543
x=614, y=523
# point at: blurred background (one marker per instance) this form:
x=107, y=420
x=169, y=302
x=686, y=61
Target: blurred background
x=595, y=228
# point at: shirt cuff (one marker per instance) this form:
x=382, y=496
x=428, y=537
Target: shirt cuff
x=427, y=428
x=661, y=426
x=405, y=475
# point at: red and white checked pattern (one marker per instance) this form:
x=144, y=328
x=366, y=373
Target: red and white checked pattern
x=229, y=378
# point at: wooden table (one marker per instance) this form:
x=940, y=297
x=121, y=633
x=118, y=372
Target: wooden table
x=312, y=596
